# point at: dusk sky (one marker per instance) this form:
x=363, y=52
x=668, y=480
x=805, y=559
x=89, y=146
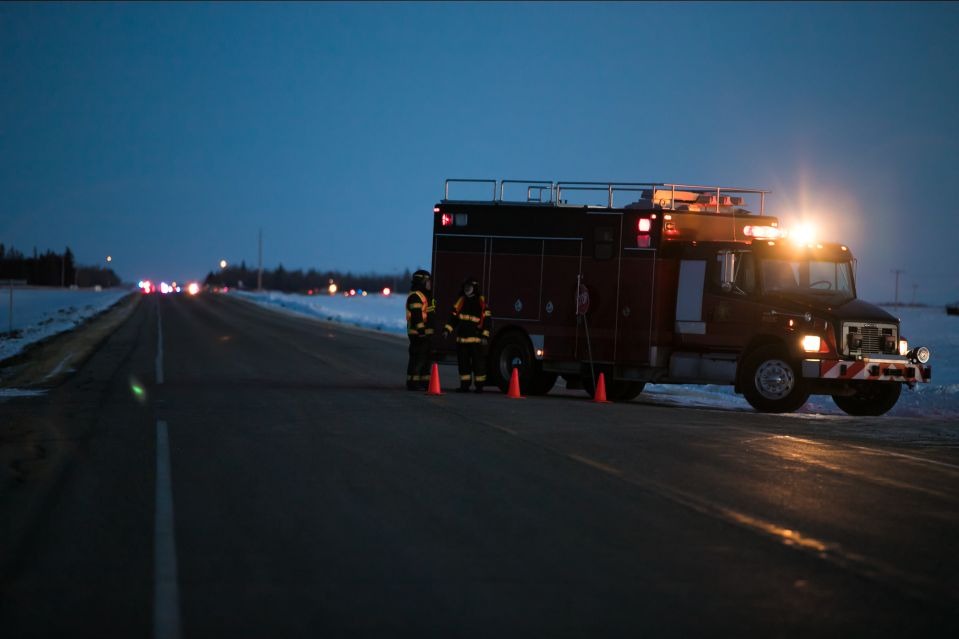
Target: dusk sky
x=166, y=135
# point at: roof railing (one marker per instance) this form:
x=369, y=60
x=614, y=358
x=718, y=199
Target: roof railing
x=536, y=189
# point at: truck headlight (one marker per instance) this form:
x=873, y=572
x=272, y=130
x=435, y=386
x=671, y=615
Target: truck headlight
x=920, y=355
x=903, y=347
x=811, y=343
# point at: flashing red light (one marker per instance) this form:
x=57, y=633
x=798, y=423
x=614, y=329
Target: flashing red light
x=446, y=219
x=644, y=225
x=352, y=292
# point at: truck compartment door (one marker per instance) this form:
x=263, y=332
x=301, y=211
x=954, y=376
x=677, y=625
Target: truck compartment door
x=689, y=298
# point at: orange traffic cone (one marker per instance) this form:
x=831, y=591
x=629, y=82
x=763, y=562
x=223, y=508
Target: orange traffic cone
x=600, y=395
x=514, y=385
x=434, y=381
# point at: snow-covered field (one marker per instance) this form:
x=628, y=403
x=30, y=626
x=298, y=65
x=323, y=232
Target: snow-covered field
x=39, y=312
x=922, y=326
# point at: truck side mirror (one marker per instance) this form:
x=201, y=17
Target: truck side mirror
x=728, y=276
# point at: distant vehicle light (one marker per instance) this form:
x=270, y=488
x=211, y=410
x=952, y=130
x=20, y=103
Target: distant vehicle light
x=193, y=288
x=332, y=289
x=644, y=225
x=165, y=288
x=364, y=293
x=352, y=292
x=386, y=291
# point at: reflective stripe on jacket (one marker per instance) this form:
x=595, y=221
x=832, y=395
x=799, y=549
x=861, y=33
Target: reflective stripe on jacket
x=419, y=315
x=470, y=318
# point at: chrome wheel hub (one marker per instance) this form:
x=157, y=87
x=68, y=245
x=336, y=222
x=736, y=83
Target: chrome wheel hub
x=774, y=379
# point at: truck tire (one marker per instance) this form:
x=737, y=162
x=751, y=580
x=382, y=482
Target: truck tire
x=631, y=390
x=771, y=382
x=871, y=399
x=514, y=350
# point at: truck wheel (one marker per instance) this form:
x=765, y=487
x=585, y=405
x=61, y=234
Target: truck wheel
x=513, y=350
x=631, y=390
x=771, y=382
x=871, y=399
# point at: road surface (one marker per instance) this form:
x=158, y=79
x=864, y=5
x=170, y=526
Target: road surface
x=220, y=470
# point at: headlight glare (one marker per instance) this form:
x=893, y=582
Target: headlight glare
x=903, y=347
x=811, y=343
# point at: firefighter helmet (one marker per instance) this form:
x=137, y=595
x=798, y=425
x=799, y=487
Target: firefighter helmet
x=420, y=281
x=470, y=286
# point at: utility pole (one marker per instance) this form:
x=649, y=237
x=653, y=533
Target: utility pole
x=898, y=272
x=259, y=268
x=914, y=287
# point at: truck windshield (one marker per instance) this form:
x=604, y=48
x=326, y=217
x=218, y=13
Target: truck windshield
x=808, y=278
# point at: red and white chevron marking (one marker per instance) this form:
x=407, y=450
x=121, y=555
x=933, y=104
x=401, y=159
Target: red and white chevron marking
x=894, y=372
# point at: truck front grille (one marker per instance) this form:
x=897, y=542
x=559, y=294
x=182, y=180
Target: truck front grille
x=871, y=336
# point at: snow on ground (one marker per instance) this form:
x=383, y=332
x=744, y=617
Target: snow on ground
x=39, y=312
x=379, y=312
x=922, y=326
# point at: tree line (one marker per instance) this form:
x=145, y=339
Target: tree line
x=52, y=269
x=299, y=281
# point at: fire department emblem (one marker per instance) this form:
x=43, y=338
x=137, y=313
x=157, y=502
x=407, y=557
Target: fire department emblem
x=518, y=305
x=549, y=307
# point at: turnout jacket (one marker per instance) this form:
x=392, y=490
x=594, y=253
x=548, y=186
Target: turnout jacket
x=419, y=315
x=470, y=317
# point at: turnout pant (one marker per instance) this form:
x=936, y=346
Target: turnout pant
x=417, y=369
x=471, y=359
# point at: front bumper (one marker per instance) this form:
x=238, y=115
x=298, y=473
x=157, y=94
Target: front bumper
x=878, y=369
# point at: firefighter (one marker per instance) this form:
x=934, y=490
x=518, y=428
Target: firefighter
x=420, y=309
x=470, y=320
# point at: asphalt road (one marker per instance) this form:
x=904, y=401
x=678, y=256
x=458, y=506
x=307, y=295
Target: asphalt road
x=218, y=470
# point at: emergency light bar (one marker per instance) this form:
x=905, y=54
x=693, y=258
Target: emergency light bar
x=762, y=232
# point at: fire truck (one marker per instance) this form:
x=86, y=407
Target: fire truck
x=666, y=284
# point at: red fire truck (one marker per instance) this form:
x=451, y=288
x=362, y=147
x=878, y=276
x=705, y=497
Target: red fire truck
x=681, y=285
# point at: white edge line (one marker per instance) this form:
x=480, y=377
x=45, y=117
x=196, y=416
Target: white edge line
x=59, y=367
x=166, y=598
